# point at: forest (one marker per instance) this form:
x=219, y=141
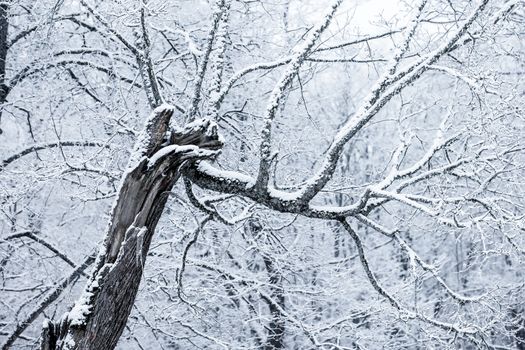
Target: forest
x=262, y=174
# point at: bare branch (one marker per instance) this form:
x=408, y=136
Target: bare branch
x=221, y=11
x=48, y=300
x=379, y=96
x=50, y=145
x=278, y=93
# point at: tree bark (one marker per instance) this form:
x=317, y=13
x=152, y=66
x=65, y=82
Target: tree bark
x=277, y=325
x=4, y=27
x=100, y=315
x=4, y=46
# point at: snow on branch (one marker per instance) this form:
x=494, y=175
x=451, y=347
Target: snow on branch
x=145, y=64
x=404, y=313
x=50, y=145
x=218, y=65
x=47, y=300
x=415, y=258
x=152, y=135
x=221, y=10
x=110, y=29
x=280, y=88
x=377, y=99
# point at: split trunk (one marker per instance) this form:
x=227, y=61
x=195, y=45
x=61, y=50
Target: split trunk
x=100, y=315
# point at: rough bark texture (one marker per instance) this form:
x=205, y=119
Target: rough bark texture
x=276, y=328
x=4, y=27
x=99, y=317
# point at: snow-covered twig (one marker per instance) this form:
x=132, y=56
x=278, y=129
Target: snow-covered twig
x=219, y=12
x=279, y=90
x=380, y=95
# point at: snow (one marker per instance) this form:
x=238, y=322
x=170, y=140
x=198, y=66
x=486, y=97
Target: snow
x=283, y=196
x=264, y=65
x=197, y=124
x=165, y=151
x=140, y=243
x=81, y=309
x=191, y=150
x=46, y=323
x=226, y=175
x=312, y=261
x=83, y=306
x=144, y=137
x=69, y=342
x=192, y=47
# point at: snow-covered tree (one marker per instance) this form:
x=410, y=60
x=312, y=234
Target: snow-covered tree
x=264, y=175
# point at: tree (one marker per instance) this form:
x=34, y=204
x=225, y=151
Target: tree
x=411, y=156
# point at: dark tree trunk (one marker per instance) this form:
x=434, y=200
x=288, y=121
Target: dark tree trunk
x=275, y=300
x=276, y=327
x=4, y=47
x=100, y=315
x=518, y=317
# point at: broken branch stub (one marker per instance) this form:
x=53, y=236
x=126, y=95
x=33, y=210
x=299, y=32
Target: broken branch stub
x=98, y=318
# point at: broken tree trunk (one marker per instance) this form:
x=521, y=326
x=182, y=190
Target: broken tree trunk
x=98, y=318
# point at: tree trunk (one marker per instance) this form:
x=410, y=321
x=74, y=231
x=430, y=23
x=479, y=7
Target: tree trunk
x=4, y=47
x=276, y=328
x=100, y=315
